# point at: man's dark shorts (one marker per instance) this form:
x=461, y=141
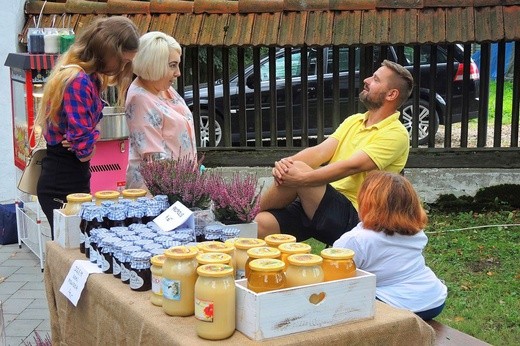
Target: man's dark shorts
x=335, y=215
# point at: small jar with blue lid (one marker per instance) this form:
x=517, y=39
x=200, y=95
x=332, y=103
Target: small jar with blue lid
x=126, y=259
x=151, y=246
x=83, y=224
x=148, y=235
x=163, y=201
x=142, y=242
x=106, y=257
x=117, y=215
x=139, y=228
x=135, y=213
x=117, y=255
x=161, y=239
x=153, y=209
x=133, y=238
x=170, y=242
x=140, y=274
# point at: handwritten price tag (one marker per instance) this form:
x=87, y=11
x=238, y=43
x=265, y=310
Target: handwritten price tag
x=173, y=217
x=76, y=279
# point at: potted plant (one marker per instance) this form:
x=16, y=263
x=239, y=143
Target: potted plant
x=181, y=180
x=235, y=201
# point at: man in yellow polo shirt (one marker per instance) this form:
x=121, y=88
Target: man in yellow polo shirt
x=315, y=191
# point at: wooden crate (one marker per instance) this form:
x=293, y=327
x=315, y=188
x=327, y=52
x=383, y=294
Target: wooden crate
x=291, y=310
x=66, y=229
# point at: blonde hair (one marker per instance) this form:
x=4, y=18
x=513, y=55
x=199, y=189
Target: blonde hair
x=402, y=80
x=387, y=202
x=151, y=62
x=105, y=37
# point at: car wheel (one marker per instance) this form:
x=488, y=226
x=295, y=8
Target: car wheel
x=424, y=120
x=204, y=130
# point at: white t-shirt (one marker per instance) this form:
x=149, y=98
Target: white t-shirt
x=402, y=278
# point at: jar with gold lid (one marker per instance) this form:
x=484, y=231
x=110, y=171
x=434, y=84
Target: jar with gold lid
x=217, y=246
x=288, y=249
x=213, y=258
x=74, y=201
x=156, y=298
x=275, y=240
x=178, y=283
x=215, y=301
x=241, y=247
x=266, y=275
x=338, y=263
x=304, y=269
x=260, y=252
x=106, y=195
x=133, y=194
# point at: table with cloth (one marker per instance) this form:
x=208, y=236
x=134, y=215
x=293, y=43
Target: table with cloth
x=110, y=313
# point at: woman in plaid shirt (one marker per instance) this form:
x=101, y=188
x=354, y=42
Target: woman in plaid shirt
x=72, y=106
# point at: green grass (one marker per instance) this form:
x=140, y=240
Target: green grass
x=507, y=103
x=481, y=269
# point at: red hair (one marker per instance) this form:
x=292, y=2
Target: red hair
x=387, y=202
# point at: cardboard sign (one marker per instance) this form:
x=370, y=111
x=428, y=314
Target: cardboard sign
x=76, y=279
x=175, y=216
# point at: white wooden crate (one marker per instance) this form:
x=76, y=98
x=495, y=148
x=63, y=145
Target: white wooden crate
x=66, y=229
x=291, y=310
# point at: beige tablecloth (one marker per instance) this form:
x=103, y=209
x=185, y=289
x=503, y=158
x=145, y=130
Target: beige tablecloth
x=110, y=313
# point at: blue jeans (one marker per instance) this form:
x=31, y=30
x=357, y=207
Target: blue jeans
x=427, y=314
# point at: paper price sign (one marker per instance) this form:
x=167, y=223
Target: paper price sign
x=173, y=217
x=76, y=279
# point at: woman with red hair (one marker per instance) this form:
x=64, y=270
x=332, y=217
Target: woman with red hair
x=389, y=241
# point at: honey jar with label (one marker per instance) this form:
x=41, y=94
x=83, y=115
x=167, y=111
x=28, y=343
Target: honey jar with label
x=338, y=263
x=241, y=247
x=304, y=269
x=156, y=298
x=260, y=252
x=178, y=283
x=288, y=249
x=215, y=301
x=275, y=240
x=266, y=275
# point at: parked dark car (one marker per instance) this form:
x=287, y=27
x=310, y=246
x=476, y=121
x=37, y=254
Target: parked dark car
x=404, y=55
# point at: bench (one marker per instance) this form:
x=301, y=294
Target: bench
x=446, y=335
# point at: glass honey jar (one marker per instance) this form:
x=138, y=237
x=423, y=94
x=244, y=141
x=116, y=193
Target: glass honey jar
x=178, y=283
x=266, y=275
x=260, y=252
x=338, y=263
x=288, y=249
x=133, y=194
x=275, y=240
x=156, y=298
x=74, y=201
x=106, y=195
x=215, y=301
x=217, y=246
x=304, y=269
x=241, y=247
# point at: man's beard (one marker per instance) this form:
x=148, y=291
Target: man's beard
x=372, y=103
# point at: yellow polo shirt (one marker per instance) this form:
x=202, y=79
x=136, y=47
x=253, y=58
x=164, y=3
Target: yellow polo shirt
x=387, y=143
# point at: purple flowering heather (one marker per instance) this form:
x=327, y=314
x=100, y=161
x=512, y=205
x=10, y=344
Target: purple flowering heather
x=235, y=200
x=181, y=180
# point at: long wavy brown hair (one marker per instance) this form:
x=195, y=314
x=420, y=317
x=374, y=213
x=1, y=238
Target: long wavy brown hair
x=387, y=202
x=104, y=38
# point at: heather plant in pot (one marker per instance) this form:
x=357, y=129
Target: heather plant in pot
x=181, y=180
x=235, y=199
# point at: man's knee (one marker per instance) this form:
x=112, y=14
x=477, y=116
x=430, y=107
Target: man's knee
x=267, y=224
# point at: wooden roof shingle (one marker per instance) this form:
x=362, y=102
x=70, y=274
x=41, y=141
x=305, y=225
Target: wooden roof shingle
x=297, y=22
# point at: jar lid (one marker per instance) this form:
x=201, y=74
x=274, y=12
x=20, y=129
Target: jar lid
x=305, y=259
x=134, y=193
x=277, y=239
x=231, y=241
x=106, y=194
x=158, y=260
x=215, y=270
x=141, y=256
x=79, y=197
x=266, y=264
x=295, y=248
x=213, y=257
x=337, y=253
x=181, y=252
x=248, y=243
x=263, y=252
x=217, y=246
x=157, y=251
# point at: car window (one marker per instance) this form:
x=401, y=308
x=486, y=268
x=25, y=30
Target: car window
x=280, y=67
x=343, y=59
x=425, y=57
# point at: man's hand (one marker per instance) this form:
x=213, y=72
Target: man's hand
x=280, y=169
